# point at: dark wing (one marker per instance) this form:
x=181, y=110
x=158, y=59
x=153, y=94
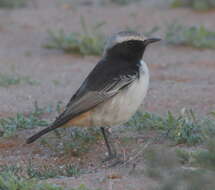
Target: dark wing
x=103, y=82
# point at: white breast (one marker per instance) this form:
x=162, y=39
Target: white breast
x=121, y=107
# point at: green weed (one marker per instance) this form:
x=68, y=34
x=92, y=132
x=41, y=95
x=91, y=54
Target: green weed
x=81, y=141
x=184, y=168
x=56, y=82
x=88, y=42
x=41, y=172
x=12, y=3
x=124, y=2
x=18, y=178
x=76, y=144
x=9, y=181
x=212, y=113
x=12, y=169
x=198, y=5
x=82, y=187
x=47, y=172
x=184, y=128
x=10, y=125
x=198, y=37
x=159, y=161
x=185, y=157
x=7, y=80
x=206, y=158
x=189, y=180
x=163, y=164
x=200, y=158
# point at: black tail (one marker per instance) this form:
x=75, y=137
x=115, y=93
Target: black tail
x=39, y=134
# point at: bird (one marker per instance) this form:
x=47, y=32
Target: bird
x=112, y=92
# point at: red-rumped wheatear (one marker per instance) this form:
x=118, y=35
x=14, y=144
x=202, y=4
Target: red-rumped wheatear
x=113, y=90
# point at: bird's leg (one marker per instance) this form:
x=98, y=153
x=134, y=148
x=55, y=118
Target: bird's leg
x=110, y=146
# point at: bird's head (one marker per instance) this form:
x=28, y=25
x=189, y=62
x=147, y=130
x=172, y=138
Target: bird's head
x=128, y=45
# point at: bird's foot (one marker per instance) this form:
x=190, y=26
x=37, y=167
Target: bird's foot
x=109, y=157
x=113, y=160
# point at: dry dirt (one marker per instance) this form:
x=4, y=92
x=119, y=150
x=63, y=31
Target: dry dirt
x=180, y=76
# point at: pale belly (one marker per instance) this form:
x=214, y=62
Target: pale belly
x=121, y=107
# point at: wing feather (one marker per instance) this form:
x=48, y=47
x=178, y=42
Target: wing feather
x=92, y=93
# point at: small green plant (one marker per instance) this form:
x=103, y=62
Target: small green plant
x=49, y=172
x=88, y=42
x=8, y=181
x=198, y=37
x=199, y=5
x=12, y=169
x=206, y=158
x=82, y=140
x=16, y=178
x=41, y=172
x=12, y=3
x=159, y=159
x=56, y=82
x=144, y=121
x=10, y=125
x=184, y=128
x=203, y=157
x=188, y=179
x=184, y=156
x=75, y=144
x=9, y=80
x=163, y=164
x=124, y=2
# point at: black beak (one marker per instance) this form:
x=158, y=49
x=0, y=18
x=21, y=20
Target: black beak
x=151, y=40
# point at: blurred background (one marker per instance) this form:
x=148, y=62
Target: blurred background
x=49, y=41
x=47, y=47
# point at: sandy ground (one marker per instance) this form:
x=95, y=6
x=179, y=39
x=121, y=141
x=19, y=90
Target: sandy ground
x=180, y=76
